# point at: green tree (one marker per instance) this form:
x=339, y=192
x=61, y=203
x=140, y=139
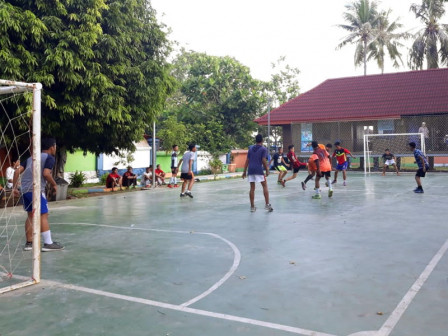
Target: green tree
x=103, y=67
x=283, y=86
x=386, y=39
x=431, y=42
x=362, y=17
x=217, y=100
x=172, y=133
x=284, y=83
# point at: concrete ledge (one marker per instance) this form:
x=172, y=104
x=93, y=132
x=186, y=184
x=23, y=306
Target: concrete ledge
x=201, y=178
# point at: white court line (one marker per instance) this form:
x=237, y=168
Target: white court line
x=236, y=263
x=230, y=272
x=396, y=315
x=184, y=309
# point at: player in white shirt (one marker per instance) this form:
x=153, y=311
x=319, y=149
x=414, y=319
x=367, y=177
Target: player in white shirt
x=174, y=167
x=186, y=171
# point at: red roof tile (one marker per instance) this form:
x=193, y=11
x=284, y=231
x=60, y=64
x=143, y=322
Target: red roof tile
x=374, y=97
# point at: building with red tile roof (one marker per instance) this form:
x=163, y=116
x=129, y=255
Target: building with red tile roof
x=345, y=109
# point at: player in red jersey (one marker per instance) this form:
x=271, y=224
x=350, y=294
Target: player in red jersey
x=295, y=164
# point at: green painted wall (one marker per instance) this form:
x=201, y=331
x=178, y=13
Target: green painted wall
x=164, y=159
x=78, y=162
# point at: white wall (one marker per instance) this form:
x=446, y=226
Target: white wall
x=141, y=158
x=203, y=159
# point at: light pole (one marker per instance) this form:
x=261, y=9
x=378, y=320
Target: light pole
x=154, y=155
x=269, y=126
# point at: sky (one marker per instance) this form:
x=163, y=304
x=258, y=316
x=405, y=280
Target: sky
x=258, y=32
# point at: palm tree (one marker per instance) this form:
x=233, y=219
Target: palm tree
x=428, y=39
x=386, y=39
x=361, y=17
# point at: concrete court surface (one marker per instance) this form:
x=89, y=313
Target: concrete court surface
x=370, y=261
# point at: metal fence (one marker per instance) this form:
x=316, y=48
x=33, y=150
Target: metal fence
x=351, y=135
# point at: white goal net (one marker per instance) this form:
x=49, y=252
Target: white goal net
x=398, y=144
x=20, y=133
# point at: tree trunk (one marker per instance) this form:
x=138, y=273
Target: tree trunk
x=365, y=58
x=61, y=160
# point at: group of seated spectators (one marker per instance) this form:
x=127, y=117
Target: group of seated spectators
x=9, y=176
x=129, y=179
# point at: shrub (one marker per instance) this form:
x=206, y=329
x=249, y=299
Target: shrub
x=103, y=178
x=77, y=179
x=216, y=166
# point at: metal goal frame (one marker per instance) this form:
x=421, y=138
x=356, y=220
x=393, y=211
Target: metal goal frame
x=368, y=151
x=12, y=87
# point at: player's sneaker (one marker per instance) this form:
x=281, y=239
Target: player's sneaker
x=176, y=186
x=334, y=182
x=170, y=185
x=52, y=247
x=268, y=208
x=188, y=193
x=182, y=194
x=28, y=246
x=253, y=209
x=330, y=192
x=316, y=196
x=344, y=183
x=283, y=183
x=303, y=185
x=418, y=191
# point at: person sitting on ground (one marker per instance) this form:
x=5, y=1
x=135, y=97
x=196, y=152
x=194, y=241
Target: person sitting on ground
x=10, y=174
x=129, y=178
x=147, y=178
x=389, y=160
x=154, y=178
x=160, y=174
x=114, y=179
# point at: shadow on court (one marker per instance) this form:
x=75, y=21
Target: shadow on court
x=369, y=261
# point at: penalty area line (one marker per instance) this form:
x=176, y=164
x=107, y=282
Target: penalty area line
x=194, y=311
x=396, y=315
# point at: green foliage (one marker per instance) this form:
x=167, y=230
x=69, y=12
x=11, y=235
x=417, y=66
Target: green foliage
x=103, y=66
x=215, y=166
x=204, y=172
x=431, y=42
x=284, y=83
x=103, y=178
x=283, y=86
x=361, y=18
x=373, y=34
x=173, y=132
x=77, y=179
x=387, y=39
x=217, y=100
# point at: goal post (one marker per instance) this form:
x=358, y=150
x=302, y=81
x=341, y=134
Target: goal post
x=397, y=143
x=17, y=132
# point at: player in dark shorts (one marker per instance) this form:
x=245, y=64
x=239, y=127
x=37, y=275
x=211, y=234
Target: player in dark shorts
x=280, y=164
x=186, y=171
x=295, y=163
x=423, y=166
x=340, y=154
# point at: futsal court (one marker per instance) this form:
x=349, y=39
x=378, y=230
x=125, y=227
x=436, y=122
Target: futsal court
x=372, y=260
